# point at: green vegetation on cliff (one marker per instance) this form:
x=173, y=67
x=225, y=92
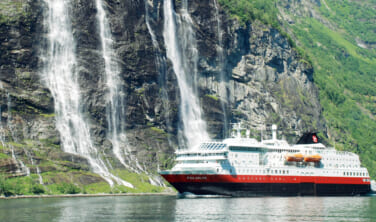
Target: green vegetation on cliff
x=12, y=10
x=249, y=10
x=344, y=73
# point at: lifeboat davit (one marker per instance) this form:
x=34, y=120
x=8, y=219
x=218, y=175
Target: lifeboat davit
x=296, y=157
x=312, y=158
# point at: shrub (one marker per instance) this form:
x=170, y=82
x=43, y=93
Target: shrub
x=37, y=189
x=5, y=188
x=68, y=188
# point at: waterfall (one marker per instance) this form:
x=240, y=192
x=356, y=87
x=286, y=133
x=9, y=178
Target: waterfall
x=2, y=131
x=36, y=166
x=160, y=61
x=115, y=107
x=222, y=75
x=10, y=127
x=183, y=54
x=61, y=77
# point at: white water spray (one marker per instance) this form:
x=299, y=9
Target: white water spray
x=183, y=53
x=61, y=77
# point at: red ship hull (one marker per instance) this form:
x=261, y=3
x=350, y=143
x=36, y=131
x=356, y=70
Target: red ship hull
x=256, y=185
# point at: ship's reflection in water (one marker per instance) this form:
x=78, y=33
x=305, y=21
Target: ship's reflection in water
x=171, y=208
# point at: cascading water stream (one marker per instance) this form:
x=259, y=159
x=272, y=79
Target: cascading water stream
x=183, y=54
x=222, y=76
x=160, y=61
x=11, y=129
x=115, y=107
x=2, y=130
x=161, y=66
x=61, y=77
x=36, y=166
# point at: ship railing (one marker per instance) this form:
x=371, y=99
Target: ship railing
x=201, y=158
x=199, y=152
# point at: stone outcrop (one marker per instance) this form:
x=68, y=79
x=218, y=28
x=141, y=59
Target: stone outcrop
x=10, y=167
x=266, y=80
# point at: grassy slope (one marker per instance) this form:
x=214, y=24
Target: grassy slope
x=344, y=72
x=62, y=177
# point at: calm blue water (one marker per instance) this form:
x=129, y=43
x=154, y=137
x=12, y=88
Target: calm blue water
x=170, y=208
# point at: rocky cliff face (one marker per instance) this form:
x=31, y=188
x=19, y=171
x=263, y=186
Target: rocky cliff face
x=248, y=74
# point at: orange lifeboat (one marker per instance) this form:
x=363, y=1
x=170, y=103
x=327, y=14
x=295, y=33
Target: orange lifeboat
x=296, y=157
x=312, y=158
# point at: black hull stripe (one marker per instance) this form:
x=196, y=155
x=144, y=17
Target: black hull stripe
x=275, y=189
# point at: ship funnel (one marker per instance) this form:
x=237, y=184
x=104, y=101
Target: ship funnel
x=274, y=131
x=248, y=133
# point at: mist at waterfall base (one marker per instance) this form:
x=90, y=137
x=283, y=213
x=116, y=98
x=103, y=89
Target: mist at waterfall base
x=170, y=208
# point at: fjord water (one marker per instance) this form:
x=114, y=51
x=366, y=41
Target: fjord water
x=171, y=208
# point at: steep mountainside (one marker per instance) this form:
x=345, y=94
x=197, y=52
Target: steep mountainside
x=100, y=93
x=339, y=39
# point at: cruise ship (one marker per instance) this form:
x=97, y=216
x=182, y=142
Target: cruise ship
x=246, y=167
